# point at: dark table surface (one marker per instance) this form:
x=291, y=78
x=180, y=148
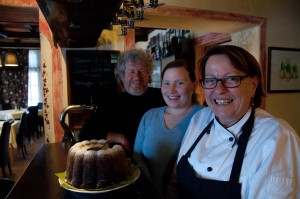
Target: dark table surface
x=39, y=180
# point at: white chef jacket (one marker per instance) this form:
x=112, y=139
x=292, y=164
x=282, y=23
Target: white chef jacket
x=271, y=167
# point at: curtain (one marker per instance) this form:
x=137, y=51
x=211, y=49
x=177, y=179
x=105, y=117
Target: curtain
x=14, y=80
x=34, y=78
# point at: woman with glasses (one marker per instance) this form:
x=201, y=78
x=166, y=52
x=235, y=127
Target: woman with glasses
x=233, y=148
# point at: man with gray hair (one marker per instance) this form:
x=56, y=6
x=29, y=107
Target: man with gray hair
x=118, y=120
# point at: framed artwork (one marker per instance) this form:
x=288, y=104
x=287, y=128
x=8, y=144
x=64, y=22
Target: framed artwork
x=283, y=70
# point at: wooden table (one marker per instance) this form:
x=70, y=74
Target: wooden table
x=39, y=181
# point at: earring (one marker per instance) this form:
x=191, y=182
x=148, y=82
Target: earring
x=252, y=101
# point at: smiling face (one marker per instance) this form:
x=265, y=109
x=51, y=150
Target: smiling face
x=136, y=77
x=228, y=104
x=177, y=88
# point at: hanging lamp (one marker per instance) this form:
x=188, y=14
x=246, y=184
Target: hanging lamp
x=125, y=16
x=11, y=59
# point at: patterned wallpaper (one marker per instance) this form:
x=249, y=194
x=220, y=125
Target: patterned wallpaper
x=14, y=80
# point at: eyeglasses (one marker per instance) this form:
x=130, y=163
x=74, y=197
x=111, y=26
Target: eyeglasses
x=227, y=82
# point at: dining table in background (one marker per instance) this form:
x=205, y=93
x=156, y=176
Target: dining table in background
x=11, y=114
x=15, y=114
x=41, y=112
x=39, y=180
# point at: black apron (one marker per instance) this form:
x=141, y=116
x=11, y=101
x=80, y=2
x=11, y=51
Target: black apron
x=191, y=186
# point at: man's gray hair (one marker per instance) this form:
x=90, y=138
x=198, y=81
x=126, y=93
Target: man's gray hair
x=133, y=55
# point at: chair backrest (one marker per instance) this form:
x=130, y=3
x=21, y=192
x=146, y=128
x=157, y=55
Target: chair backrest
x=22, y=130
x=6, y=185
x=40, y=105
x=33, y=110
x=32, y=114
x=4, y=142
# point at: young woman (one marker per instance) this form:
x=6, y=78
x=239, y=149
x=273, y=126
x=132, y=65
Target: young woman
x=162, y=129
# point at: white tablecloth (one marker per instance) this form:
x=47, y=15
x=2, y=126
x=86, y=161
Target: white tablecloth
x=13, y=132
x=41, y=112
x=11, y=114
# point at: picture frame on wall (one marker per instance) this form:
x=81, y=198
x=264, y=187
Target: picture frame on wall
x=283, y=70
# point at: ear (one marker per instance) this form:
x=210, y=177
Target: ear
x=195, y=83
x=122, y=78
x=254, y=83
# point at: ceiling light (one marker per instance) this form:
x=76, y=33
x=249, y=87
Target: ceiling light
x=125, y=16
x=11, y=59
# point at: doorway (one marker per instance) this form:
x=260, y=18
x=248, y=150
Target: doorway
x=218, y=27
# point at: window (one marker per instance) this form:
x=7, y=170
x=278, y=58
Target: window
x=34, y=78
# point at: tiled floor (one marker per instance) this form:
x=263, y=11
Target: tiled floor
x=20, y=164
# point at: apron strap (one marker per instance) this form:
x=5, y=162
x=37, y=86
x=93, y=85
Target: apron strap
x=207, y=129
x=242, y=145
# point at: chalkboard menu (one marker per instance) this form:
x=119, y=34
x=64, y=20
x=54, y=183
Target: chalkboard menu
x=91, y=76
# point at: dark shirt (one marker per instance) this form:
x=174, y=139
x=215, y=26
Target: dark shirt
x=122, y=115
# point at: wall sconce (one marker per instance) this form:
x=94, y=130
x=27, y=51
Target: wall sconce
x=125, y=16
x=0, y=62
x=11, y=59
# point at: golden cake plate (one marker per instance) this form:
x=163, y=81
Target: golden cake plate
x=133, y=176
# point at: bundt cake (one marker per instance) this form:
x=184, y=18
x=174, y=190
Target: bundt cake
x=94, y=164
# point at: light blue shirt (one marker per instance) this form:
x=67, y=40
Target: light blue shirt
x=156, y=147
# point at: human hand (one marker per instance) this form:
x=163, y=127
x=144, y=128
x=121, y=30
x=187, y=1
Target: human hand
x=119, y=138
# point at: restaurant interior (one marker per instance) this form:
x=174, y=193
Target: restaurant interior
x=58, y=30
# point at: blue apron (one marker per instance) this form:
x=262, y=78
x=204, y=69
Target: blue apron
x=191, y=186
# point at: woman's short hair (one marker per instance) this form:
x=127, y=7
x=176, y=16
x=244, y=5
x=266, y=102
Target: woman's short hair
x=242, y=60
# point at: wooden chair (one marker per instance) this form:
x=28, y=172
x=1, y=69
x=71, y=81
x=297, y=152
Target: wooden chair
x=40, y=121
x=21, y=133
x=40, y=105
x=6, y=185
x=32, y=122
x=4, y=147
x=40, y=124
